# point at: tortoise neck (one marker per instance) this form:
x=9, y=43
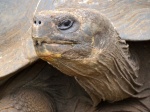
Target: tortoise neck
x=112, y=76
x=108, y=74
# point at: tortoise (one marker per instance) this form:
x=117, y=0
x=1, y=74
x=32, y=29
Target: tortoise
x=28, y=85
x=104, y=45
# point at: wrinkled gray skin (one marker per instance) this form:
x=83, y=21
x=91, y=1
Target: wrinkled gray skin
x=82, y=43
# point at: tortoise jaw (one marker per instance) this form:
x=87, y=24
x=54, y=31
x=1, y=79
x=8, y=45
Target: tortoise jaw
x=40, y=41
x=46, y=47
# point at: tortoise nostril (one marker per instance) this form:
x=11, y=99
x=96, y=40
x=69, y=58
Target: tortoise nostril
x=39, y=22
x=36, y=22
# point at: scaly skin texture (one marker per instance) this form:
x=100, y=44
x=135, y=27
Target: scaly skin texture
x=27, y=100
x=22, y=94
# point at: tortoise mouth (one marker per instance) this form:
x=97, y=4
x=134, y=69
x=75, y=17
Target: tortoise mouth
x=41, y=41
x=51, y=48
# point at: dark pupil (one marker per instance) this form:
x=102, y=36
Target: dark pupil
x=67, y=23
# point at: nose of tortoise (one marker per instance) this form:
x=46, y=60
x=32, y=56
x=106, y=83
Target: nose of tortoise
x=36, y=26
x=41, y=26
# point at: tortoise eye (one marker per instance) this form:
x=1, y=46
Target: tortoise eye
x=66, y=24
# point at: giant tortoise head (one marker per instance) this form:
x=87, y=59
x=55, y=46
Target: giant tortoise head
x=90, y=45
